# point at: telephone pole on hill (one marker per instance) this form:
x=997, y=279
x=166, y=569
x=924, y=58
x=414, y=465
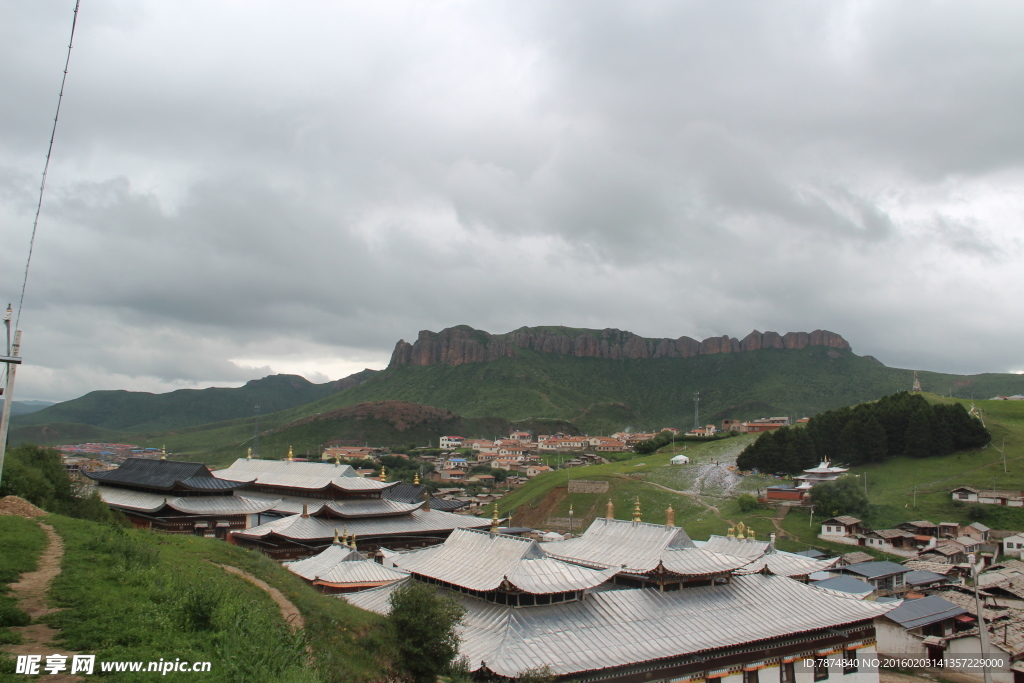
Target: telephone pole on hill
x=696, y=410
x=12, y=360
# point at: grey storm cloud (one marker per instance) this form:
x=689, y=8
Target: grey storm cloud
x=245, y=189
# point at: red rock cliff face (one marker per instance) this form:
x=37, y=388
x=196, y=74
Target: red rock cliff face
x=458, y=345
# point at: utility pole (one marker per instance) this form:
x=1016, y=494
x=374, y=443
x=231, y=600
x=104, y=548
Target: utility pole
x=12, y=360
x=915, y=496
x=1003, y=451
x=256, y=433
x=696, y=410
x=982, y=627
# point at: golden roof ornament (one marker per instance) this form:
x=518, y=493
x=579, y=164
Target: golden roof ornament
x=494, y=520
x=670, y=516
x=383, y=473
x=732, y=532
x=337, y=459
x=636, y=511
x=416, y=479
x=741, y=529
x=344, y=536
x=163, y=452
x=750, y=535
x=609, y=510
x=336, y=540
x=352, y=541
x=291, y=456
x=248, y=454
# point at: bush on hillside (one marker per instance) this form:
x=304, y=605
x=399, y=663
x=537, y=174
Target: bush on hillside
x=840, y=497
x=747, y=502
x=38, y=475
x=423, y=624
x=899, y=424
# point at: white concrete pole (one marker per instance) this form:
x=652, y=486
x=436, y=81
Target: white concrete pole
x=5, y=418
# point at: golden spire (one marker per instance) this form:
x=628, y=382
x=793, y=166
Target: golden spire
x=290, y=455
x=248, y=455
x=163, y=452
x=337, y=459
x=670, y=516
x=740, y=530
x=416, y=480
x=609, y=510
x=383, y=473
x=426, y=499
x=344, y=536
x=352, y=541
x=732, y=532
x=336, y=540
x=494, y=520
x=636, y=510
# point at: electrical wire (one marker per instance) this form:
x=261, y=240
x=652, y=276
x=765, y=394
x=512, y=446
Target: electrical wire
x=46, y=167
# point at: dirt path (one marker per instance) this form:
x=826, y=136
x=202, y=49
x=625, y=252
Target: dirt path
x=691, y=496
x=289, y=611
x=30, y=591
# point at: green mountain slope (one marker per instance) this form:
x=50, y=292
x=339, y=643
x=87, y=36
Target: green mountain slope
x=601, y=394
x=141, y=412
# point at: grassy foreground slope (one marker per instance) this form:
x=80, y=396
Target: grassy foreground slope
x=129, y=595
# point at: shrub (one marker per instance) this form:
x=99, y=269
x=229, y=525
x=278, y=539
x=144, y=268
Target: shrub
x=423, y=624
x=747, y=502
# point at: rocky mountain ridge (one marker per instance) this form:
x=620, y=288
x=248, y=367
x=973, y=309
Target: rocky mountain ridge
x=462, y=344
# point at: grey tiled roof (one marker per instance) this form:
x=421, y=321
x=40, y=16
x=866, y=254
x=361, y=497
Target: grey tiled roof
x=921, y=577
x=481, y=561
x=874, y=570
x=164, y=475
x=845, y=584
x=623, y=627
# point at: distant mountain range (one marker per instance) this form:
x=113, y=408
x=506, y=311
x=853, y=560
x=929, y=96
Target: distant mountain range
x=598, y=380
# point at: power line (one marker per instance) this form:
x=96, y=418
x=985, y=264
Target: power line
x=46, y=166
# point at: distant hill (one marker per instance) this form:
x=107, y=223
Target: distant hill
x=26, y=407
x=605, y=380
x=140, y=412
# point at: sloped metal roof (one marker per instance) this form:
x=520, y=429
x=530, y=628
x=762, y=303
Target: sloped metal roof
x=739, y=547
x=623, y=627
x=413, y=493
x=301, y=475
x=921, y=577
x=924, y=611
x=301, y=528
x=874, y=570
x=788, y=564
x=369, y=507
x=636, y=546
x=845, y=584
x=163, y=474
x=482, y=561
x=139, y=501
x=340, y=565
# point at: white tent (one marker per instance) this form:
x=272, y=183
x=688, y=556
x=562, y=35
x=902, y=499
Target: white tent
x=680, y=460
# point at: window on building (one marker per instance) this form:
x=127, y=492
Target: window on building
x=750, y=676
x=820, y=669
x=787, y=673
x=962, y=496
x=849, y=662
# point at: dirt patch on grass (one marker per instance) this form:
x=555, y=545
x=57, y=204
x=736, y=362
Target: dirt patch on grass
x=13, y=505
x=536, y=517
x=289, y=611
x=30, y=592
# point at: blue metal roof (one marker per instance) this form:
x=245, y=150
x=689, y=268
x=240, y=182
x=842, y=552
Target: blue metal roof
x=845, y=584
x=874, y=570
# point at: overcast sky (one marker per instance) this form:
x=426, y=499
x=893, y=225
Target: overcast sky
x=240, y=188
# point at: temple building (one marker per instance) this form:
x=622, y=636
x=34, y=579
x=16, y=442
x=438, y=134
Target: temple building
x=316, y=501
x=825, y=471
x=762, y=554
x=178, y=497
x=342, y=569
x=634, y=602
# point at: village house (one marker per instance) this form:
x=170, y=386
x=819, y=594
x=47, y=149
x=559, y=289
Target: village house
x=533, y=470
x=897, y=541
x=886, y=577
x=348, y=453
x=785, y=494
x=970, y=494
x=840, y=528
x=708, y=430
x=1014, y=545
x=582, y=599
x=451, y=443
x=917, y=627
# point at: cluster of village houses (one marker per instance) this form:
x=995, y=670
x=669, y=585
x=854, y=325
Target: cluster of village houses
x=625, y=600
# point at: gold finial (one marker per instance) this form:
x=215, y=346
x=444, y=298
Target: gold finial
x=426, y=499
x=636, y=510
x=344, y=536
x=163, y=452
x=741, y=529
x=337, y=459
x=290, y=455
x=336, y=540
x=732, y=532
x=494, y=520
x=248, y=455
x=352, y=541
x=416, y=480
x=750, y=534
x=383, y=473
x=670, y=516
x=609, y=510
